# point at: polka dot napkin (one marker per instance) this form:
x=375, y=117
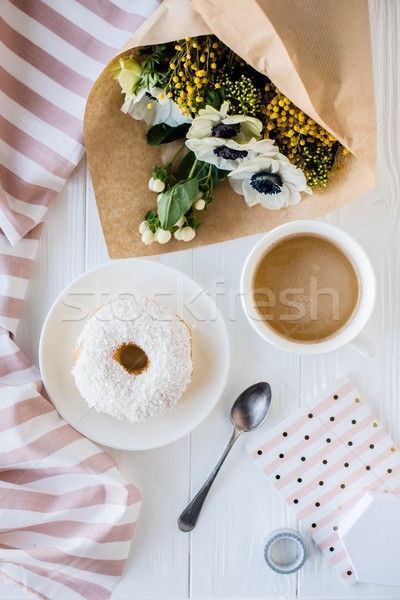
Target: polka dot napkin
x=322, y=459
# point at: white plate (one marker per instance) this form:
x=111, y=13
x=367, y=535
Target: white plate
x=170, y=288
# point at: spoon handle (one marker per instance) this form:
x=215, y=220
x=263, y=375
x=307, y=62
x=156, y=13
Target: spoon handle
x=189, y=516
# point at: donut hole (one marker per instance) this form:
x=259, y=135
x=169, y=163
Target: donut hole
x=133, y=358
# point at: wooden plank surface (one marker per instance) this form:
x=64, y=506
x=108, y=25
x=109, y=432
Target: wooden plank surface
x=223, y=556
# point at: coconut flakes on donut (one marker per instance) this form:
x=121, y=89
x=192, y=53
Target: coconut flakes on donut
x=107, y=386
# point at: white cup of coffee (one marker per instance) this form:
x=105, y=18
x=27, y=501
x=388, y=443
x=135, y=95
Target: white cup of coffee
x=309, y=288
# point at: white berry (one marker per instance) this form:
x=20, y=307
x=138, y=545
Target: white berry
x=148, y=237
x=187, y=234
x=162, y=236
x=158, y=186
x=180, y=222
x=143, y=226
x=200, y=204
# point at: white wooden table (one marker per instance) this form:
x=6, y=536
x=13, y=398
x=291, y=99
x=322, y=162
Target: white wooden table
x=223, y=556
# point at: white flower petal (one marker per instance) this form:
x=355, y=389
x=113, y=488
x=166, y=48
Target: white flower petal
x=176, y=116
x=242, y=171
x=224, y=109
x=166, y=112
x=199, y=129
x=204, y=150
x=292, y=179
x=208, y=117
x=250, y=127
x=265, y=147
x=127, y=106
x=295, y=177
x=128, y=75
x=209, y=110
x=251, y=195
x=156, y=92
x=236, y=184
x=293, y=196
x=272, y=202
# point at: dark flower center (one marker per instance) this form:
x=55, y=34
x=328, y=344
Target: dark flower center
x=266, y=183
x=150, y=96
x=229, y=153
x=225, y=131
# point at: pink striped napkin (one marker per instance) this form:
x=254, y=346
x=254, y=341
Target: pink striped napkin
x=67, y=514
x=322, y=459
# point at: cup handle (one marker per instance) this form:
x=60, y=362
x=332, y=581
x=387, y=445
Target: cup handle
x=365, y=345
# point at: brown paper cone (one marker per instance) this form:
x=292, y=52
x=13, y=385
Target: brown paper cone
x=313, y=53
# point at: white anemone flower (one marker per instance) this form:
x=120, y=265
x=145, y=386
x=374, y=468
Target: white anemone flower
x=224, y=154
x=154, y=107
x=128, y=72
x=266, y=147
x=228, y=154
x=211, y=122
x=271, y=181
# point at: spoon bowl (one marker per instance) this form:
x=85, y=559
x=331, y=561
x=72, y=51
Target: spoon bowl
x=248, y=412
x=251, y=408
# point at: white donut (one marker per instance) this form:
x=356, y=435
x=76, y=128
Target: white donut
x=117, y=333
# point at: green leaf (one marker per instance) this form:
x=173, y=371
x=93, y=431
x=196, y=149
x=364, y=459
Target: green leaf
x=201, y=169
x=176, y=202
x=159, y=173
x=163, y=133
x=185, y=166
x=213, y=98
x=218, y=175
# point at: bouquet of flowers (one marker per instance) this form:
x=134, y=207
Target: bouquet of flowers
x=251, y=104
x=236, y=124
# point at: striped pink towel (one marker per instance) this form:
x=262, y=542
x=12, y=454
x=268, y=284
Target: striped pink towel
x=67, y=514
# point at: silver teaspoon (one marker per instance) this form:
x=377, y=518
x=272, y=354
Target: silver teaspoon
x=248, y=412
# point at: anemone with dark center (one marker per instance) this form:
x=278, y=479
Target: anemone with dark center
x=152, y=98
x=229, y=153
x=226, y=131
x=266, y=183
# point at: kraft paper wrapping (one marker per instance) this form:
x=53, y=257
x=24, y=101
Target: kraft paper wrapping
x=317, y=52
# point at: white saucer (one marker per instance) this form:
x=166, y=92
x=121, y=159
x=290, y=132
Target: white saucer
x=170, y=288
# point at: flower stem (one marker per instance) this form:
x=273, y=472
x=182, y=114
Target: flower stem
x=209, y=173
x=192, y=170
x=175, y=155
